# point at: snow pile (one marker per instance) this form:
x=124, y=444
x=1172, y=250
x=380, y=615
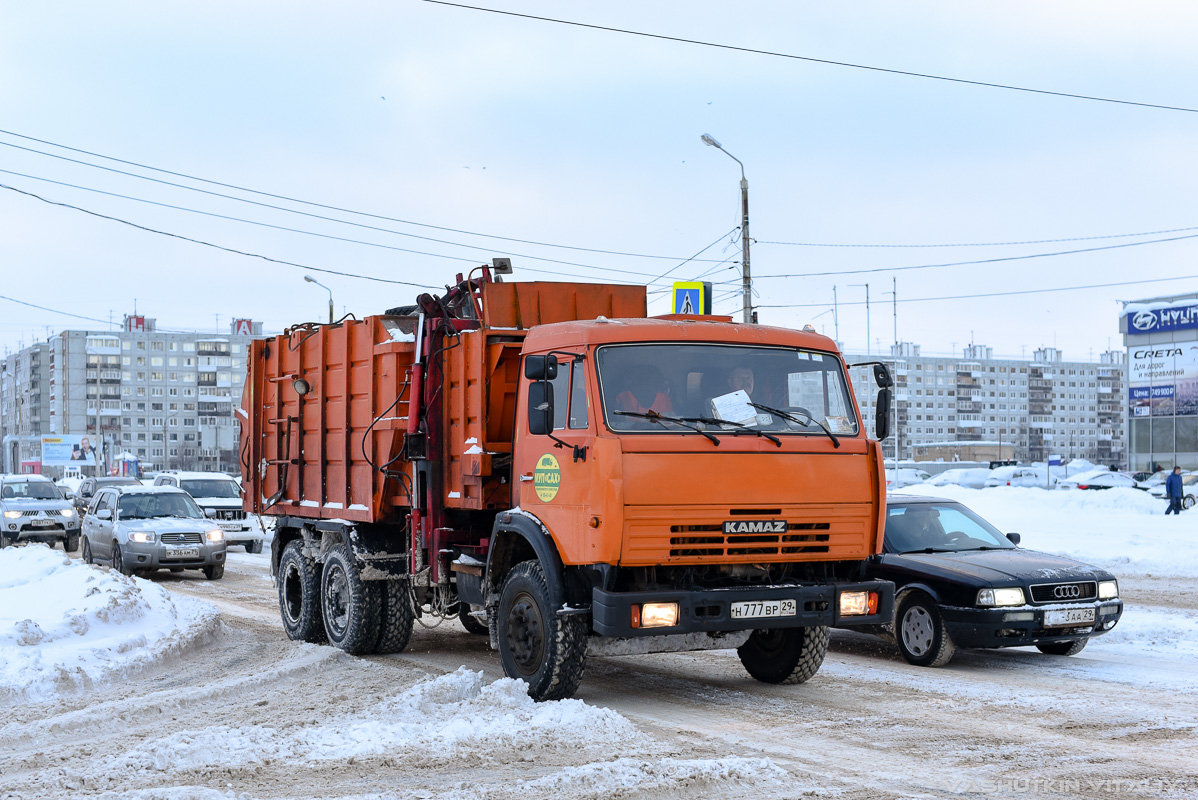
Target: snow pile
x=66, y=625
x=1123, y=530
x=459, y=721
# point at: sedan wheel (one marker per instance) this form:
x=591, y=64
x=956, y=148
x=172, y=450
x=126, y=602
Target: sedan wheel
x=87, y=552
x=118, y=560
x=1188, y=501
x=921, y=634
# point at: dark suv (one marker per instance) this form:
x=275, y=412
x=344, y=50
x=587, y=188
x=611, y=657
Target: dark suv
x=89, y=487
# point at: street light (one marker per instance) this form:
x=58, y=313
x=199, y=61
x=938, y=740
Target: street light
x=310, y=279
x=746, y=281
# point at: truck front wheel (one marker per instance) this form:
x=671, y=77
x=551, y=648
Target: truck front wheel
x=395, y=617
x=537, y=646
x=785, y=655
x=349, y=605
x=299, y=595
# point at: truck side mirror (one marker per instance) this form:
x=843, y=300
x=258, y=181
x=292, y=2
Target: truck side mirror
x=540, y=404
x=882, y=413
x=540, y=368
x=882, y=378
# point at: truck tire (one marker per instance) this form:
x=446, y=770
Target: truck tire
x=471, y=624
x=785, y=655
x=299, y=595
x=920, y=632
x=537, y=646
x=348, y=604
x=395, y=617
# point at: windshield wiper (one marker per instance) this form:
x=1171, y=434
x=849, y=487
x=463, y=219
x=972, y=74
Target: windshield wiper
x=740, y=425
x=661, y=419
x=792, y=418
x=932, y=550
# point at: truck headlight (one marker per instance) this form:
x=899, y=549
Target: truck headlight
x=12, y=514
x=141, y=537
x=215, y=535
x=655, y=615
x=67, y=512
x=858, y=603
x=1108, y=589
x=1001, y=597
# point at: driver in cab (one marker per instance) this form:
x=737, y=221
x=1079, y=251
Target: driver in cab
x=645, y=391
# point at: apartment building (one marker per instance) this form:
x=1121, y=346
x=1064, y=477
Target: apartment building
x=24, y=406
x=1043, y=406
x=166, y=397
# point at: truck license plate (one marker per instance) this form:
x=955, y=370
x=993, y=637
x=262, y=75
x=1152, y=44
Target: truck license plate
x=758, y=609
x=230, y=526
x=183, y=552
x=1067, y=617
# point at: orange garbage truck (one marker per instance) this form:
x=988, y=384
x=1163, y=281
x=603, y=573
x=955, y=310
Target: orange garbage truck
x=557, y=470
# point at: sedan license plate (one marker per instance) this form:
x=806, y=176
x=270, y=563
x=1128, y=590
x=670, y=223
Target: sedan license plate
x=1069, y=616
x=758, y=609
x=182, y=552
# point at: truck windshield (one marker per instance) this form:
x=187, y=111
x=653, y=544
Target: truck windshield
x=718, y=387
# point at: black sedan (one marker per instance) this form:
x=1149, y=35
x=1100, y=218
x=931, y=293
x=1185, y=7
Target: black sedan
x=959, y=582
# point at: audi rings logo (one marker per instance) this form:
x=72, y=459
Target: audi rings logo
x=1067, y=591
x=1144, y=321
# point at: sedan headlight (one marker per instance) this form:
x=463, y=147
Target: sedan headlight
x=12, y=514
x=142, y=537
x=1001, y=597
x=1108, y=590
x=216, y=535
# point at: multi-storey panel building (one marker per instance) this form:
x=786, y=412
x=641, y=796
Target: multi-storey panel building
x=1043, y=406
x=24, y=406
x=164, y=397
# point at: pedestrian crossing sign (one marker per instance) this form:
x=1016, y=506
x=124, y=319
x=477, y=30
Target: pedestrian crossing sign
x=692, y=297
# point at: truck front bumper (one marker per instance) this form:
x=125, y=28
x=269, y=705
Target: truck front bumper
x=613, y=613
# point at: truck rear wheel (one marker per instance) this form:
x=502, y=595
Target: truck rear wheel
x=395, y=617
x=537, y=646
x=348, y=604
x=785, y=655
x=299, y=595
x=471, y=624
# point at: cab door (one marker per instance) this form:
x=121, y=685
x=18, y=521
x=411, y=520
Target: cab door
x=555, y=470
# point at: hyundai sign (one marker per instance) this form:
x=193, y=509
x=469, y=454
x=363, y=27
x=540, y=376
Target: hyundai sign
x=1162, y=319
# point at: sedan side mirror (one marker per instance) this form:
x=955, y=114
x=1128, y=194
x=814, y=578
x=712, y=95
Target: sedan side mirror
x=1014, y=537
x=209, y=512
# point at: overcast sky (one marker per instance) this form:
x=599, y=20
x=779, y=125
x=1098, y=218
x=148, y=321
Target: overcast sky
x=589, y=139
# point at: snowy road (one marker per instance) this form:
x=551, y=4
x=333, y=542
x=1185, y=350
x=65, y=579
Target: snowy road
x=249, y=714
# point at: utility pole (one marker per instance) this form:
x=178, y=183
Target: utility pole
x=867, y=342
x=746, y=280
x=835, y=316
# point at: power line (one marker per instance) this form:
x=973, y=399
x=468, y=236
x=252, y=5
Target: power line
x=216, y=246
x=988, y=244
x=980, y=261
x=988, y=294
x=814, y=60
x=303, y=202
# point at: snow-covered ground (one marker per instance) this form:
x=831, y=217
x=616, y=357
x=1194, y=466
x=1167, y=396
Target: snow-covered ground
x=65, y=625
x=236, y=710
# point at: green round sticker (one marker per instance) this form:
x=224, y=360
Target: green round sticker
x=547, y=478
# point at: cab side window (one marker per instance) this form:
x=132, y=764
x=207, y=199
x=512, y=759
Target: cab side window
x=578, y=396
x=561, y=396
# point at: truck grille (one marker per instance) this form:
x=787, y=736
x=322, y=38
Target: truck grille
x=713, y=541
x=229, y=513
x=181, y=538
x=1064, y=592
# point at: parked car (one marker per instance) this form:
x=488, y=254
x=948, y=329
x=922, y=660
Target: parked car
x=87, y=491
x=1037, y=477
x=1189, y=488
x=961, y=583
x=969, y=478
x=1100, y=479
x=904, y=476
x=32, y=509
x=137, y=528
x=220, y=497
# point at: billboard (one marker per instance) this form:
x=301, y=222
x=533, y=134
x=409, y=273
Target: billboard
x=1171, y=318
x=1163, y=380
x=67, y=450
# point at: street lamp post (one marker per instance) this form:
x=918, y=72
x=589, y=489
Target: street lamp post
x=310, y=279
x=746, y=280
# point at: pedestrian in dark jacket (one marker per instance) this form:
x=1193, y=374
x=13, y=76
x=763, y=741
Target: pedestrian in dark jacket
x=1174, y=492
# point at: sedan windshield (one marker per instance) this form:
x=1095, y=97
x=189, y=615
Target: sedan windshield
x=935, y=528
x=31, y=490
x=213, y=487
x=149, y=506
x=681, y=388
